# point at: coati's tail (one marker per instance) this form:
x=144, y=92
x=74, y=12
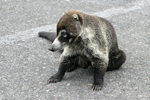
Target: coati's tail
x=116, y=60
x=48, y=35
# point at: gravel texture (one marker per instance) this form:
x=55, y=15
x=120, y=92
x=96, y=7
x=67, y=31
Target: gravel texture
x=26, y=63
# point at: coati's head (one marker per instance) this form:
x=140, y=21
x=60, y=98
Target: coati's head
x=68, y=29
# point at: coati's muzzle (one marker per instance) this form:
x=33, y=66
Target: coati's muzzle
x=56, y=45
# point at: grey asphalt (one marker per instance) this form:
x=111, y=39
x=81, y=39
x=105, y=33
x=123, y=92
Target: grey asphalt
x=26, y=63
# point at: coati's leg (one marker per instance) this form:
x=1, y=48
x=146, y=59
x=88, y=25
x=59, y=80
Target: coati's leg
x=65, y=64
x=116, y=59
x=100, y=67
x=48, y=35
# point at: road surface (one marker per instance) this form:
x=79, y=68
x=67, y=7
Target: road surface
x=26, y=63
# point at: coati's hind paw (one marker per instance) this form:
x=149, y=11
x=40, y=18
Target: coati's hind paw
x=97, y=87
x=53, y=79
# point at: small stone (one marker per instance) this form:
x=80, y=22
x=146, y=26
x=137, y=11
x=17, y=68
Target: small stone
x=47, y=90
x=44, y=67
x=68, y=84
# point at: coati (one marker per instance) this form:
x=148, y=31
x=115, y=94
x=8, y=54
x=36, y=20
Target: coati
x=86, y=41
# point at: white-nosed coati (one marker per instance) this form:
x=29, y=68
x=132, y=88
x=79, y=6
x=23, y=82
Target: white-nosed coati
x=86, y=40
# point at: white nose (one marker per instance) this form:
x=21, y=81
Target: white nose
x=56, y=45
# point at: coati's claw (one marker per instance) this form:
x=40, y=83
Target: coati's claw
x=53, y=80
x=96, y=87
x=48, y=81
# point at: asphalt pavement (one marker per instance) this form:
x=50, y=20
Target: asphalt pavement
x=26, y=63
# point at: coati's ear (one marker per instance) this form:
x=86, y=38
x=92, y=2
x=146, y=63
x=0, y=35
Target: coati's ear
x=75, y=16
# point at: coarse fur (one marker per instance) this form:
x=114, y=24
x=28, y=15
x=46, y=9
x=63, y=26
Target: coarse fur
x=87, y=41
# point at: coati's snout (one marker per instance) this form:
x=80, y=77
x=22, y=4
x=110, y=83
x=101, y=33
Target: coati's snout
x=56, y=45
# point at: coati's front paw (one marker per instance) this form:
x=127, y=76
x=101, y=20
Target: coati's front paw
x=54, y=79
x=97, y=87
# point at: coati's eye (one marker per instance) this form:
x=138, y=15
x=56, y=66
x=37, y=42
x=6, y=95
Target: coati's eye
x=63, y=33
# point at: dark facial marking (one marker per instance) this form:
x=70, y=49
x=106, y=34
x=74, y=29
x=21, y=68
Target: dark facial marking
x=64, y=33
x=64, y=36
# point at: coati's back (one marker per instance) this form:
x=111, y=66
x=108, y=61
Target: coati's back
x=106, y=38
x=105, y=33
x=110, y=35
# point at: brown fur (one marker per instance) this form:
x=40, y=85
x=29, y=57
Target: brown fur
x=68, y=23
